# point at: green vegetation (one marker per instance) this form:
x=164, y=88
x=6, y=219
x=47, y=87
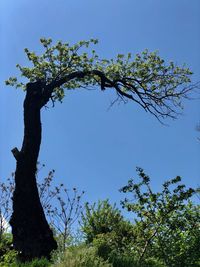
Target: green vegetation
x=164, y=231
x=167, y=224
x=157, y=86
x=82, y=256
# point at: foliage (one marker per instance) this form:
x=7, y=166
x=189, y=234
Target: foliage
x=165, y=232
x=7, y=254
x=115, y=249
x=147, y=79
x=85, y=255
x=6, y=191
x=100, y=218
x=81, y=256
x=167, y=223
x=113, y=237
x=34, y=263
x=105, y=228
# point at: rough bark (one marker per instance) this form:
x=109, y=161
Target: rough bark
x=32, y=236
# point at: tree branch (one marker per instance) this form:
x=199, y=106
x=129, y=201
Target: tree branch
x=160, y=104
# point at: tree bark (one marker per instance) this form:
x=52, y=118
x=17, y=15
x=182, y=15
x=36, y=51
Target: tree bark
x=32, y=236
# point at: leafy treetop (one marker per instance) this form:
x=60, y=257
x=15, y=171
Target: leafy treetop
x=156, y=86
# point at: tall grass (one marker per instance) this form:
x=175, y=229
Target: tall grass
x=80, y=257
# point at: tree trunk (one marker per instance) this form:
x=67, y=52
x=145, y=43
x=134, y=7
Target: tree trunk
x=32, y=237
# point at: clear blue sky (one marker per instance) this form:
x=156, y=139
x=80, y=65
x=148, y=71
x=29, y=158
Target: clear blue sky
x=89, y=147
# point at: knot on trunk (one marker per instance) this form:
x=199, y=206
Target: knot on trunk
x=16, y=153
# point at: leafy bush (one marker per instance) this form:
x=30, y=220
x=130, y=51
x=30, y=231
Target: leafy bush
x=34, y=263
x=7, y=253
x=103, y=218
x=99, y=218
x=8, y=256
x=9, y=259
x=105, y=228
x=81, y=256
x=167, y=224
x=6, y=191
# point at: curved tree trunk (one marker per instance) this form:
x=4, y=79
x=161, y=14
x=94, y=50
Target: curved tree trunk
x=32, y=236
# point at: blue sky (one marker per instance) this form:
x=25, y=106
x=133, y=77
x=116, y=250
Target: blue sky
x=90, y=147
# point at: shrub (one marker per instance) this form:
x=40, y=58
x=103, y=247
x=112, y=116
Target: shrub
x=43, y=262
x=167, y=222
x=7, y=253
x=105, y=228
x=81, y=256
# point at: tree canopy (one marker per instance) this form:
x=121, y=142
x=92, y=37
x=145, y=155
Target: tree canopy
x=158, y=87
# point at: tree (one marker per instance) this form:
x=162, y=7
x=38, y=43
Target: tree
x=105, y=228
x=61, y=208
x=101, y=218
x=6, y=191
x=167, y=222
x=157, y=87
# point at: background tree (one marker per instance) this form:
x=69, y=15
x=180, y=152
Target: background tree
x=147, y=80
x=6, y=191
x=62, y=208
x=101, y=218
x=167, y=222
x=109, y=232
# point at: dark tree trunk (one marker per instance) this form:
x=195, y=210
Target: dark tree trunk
x=32, y=236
